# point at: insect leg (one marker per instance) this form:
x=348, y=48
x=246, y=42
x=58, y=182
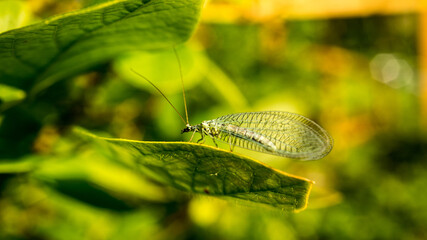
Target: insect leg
x=192, y=135
x=202, y=133
x=213, y=139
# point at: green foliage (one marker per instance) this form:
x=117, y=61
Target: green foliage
x=195, y=168
x=357, y=77
x=117, y=174
x=10, y=96
x=37, y=56
x=187, y=167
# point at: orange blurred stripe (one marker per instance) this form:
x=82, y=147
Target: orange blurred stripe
x=259, y=11
x=422, y=45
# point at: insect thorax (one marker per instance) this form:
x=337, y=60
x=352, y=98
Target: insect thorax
x=210, y=127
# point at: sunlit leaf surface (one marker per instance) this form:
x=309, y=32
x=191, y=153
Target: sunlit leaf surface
x=68, y=44
x=9, y=96
x=187, y=167
x=200, y=169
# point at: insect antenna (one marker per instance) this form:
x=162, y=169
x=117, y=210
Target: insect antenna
x=182, y=81
x=152, y=84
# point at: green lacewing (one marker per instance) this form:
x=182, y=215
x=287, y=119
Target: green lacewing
x=274, y=132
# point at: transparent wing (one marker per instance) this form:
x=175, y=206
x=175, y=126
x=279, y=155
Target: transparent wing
x=293, y=135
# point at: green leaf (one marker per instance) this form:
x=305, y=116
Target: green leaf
x=210, y=171
x=10, y=96
x=37, y=56
x=13, y=14
x=168, y=81
x=90, y=176
x=125, y=169
x=22, y=166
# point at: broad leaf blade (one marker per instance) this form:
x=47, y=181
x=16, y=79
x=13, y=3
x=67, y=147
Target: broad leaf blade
x=119, y=166
x=21, y=166
x=202, y=169
x=75, y=42
x=10, y=96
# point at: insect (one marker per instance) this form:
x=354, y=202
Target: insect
x=275, y=132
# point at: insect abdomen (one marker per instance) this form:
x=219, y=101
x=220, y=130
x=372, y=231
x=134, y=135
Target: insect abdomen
x=249, y=135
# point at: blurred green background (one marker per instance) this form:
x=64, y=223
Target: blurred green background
x=358, y=76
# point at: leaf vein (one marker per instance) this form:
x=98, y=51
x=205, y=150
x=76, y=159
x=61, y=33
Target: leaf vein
x=85, y=35
x=15, y=55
